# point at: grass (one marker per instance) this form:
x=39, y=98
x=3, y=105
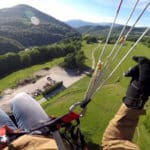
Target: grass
x=104, y=104
x=39, y=97
x=99, y=111
x=11, y=80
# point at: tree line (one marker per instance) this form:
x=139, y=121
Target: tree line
x=112, y=40
x=11, y=62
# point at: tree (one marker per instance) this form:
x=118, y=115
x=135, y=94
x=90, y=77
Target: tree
x=25, y=59
x=90, y=39
x=34, y=55
x=147, y=42
x=69, y=61
x=8, y=63
x=80, y=59
x=74, y=60
x=13, y=61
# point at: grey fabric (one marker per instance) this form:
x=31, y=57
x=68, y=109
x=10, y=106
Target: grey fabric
x=27, y=111
x=5, y=120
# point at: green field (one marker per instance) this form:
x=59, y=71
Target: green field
x=103, y=105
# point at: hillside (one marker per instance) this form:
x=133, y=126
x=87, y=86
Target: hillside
x=76, y=23
x=7, y=44
x=30, y=27
x=101, y=30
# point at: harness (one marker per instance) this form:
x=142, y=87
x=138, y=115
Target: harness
x=65, y=130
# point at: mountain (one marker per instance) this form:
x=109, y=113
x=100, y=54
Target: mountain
x=104, y=30
x=29, y=27
x=79, y=23
x=76, y=23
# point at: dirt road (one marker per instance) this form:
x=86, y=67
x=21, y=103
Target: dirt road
x=56, y=73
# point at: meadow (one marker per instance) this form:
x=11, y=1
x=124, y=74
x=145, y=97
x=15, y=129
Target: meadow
x=106, y=101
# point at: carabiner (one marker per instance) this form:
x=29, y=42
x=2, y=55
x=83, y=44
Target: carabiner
x=74, y=106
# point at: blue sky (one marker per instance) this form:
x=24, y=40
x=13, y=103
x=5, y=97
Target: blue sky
x=87, y=10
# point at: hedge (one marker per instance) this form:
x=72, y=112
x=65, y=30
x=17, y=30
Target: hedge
x=52, y=88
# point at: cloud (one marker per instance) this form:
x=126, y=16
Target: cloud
x=93, y=10
x=143, y=3
x=126, y=3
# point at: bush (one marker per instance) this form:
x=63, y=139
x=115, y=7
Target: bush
x=52, y=88
x=147, y=42
x=147, y=123
x=90, y=39
x=74, y=60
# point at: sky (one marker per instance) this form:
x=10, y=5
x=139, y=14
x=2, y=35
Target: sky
x=88, y=10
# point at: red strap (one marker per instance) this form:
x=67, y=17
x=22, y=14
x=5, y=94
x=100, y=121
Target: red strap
x=69, y=117
x=2, y=131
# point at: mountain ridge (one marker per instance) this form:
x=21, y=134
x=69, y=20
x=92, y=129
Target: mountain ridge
x=76, y=23
x=104, y=30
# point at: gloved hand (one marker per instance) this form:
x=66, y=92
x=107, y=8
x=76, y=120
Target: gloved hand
x=139, y=89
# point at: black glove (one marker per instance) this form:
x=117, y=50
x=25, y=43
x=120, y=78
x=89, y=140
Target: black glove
x=139, y=89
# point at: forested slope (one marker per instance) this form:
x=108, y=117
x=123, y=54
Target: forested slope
x=30, y=27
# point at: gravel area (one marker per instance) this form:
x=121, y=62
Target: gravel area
x=55, y=73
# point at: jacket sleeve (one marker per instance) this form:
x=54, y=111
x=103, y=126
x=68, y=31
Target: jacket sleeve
x=121, y=128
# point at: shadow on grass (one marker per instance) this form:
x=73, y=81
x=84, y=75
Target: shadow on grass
x=92, y=146
x=77, y=71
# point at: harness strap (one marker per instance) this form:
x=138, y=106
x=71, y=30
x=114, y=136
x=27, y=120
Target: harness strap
x=3, y=138
x=2, y=131
x=59, y=140
x=70, y=117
